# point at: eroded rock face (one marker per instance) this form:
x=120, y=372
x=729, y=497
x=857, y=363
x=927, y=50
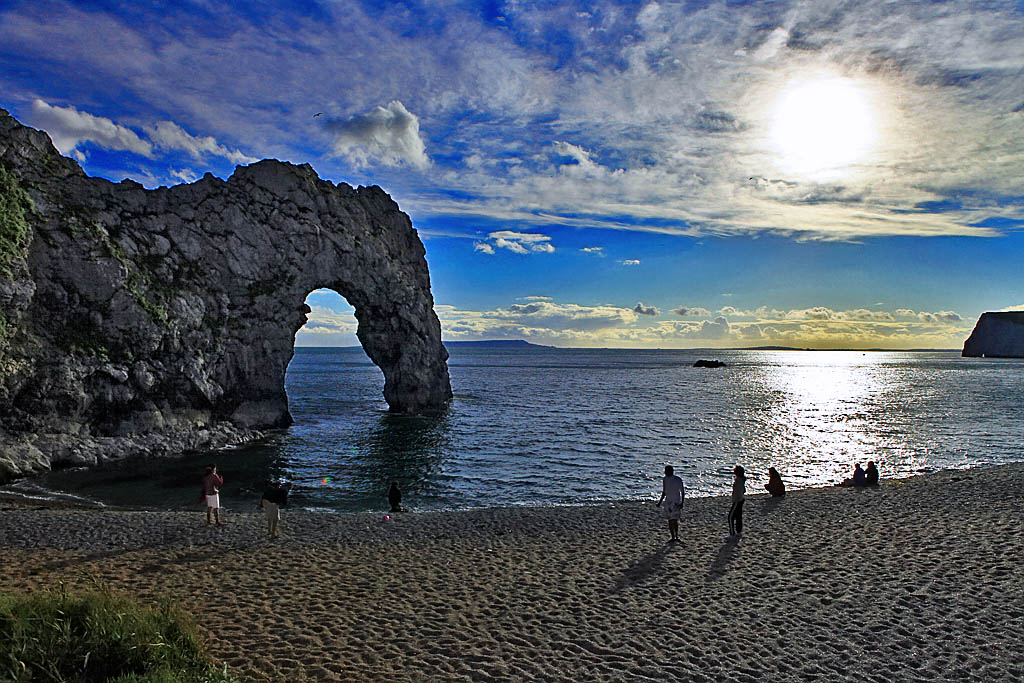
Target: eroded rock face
x=160, y=320
x=997, y=335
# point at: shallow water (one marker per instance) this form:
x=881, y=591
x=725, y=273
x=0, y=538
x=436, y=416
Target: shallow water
x=563, y=426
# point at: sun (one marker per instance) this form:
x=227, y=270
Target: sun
x=822, y=127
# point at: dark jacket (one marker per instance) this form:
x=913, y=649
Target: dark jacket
x=278, y=495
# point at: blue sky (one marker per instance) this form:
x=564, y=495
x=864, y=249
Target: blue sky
x=632, y=174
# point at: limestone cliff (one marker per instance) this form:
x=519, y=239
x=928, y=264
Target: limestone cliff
x=997, y=335
x=146, y=321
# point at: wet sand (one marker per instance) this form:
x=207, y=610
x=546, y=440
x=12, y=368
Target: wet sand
x=916, y=580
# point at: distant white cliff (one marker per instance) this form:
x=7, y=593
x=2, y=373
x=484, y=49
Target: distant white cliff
x=997, y=335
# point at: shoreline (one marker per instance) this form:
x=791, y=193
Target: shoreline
x=58, y=500
x=917, y=579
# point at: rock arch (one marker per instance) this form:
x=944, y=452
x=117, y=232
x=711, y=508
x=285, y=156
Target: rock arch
x=140, y=314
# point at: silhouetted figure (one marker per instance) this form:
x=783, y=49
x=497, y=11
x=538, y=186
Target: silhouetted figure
x=672, y=494
x=858, y=479
x=274, y=498
x=395, y=497
x=871, y=474
x=212, y=482
x=775, y=486
x=739, y=494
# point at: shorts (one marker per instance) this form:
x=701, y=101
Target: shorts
x=673, y=510
x=272, y=510
x=213, y=501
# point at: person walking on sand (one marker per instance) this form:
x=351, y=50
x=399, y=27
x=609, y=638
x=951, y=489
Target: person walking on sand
x=212, y=482
x=775, y=485
x=672, y=494
x=274, y=498
x=739, y=493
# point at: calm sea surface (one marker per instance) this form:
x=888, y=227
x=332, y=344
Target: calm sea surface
x=563, y=426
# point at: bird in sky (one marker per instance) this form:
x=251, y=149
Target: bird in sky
x=317, y=114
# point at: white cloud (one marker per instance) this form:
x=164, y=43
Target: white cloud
x=940, y=316
x=387, y=134
x=483, y=247
x=518, y=242
x=328, y=327
x=643, y=309
x=584, y=165
x=69, y=127
x=511, y=245
x=631, y=262
x=169, y=135
x=597, y=251
x=185, y=175
x=557, y=316
x=710, y=329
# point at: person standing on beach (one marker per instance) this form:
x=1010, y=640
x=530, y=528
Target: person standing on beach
x=274, y=498
x=672, y=494
x=739, y=493
x=212, y=482
x=395, y=497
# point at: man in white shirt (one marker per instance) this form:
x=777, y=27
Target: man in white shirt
x=672, y=494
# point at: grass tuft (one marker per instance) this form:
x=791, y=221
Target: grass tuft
x=96, y=636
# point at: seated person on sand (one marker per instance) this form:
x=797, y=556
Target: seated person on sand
x=775, y=486
x=871, y=474
x=858, y=479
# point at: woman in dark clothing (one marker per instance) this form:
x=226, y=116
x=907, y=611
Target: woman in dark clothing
x=775, y=486
x=871, y=474
x=739, y=493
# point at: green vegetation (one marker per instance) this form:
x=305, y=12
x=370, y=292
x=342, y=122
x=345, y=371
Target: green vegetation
x=58, y=637
x=15, y=204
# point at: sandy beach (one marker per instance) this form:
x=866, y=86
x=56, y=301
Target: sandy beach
x=919, y=579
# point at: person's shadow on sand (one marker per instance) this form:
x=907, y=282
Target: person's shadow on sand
x=643, y=569
x=726, y=554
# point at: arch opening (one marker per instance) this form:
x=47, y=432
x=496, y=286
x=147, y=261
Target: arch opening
x=329, y=372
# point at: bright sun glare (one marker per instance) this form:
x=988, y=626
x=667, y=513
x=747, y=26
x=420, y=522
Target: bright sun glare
x=821, y=127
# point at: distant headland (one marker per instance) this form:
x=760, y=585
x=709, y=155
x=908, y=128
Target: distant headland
x=497, y=344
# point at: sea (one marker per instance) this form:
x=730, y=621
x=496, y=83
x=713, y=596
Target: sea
x=551, y=427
